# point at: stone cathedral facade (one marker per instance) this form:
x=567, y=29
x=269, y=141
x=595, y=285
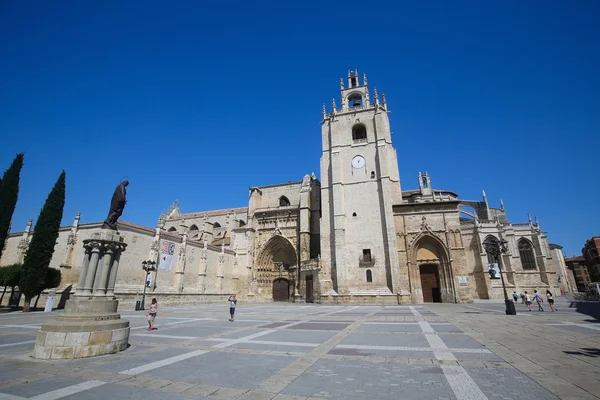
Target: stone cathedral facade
x=354, y=236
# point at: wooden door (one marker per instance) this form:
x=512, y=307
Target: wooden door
x=429, y=283
x=309, y=289
x=280, y=289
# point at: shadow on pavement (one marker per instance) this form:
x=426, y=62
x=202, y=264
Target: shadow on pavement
x=586, y=351
x=591, y=308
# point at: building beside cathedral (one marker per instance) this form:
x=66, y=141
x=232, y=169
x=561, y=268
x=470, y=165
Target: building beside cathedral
x=354, y=236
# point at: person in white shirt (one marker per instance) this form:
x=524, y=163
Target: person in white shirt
x=527, y=301
x=550, y=299
x=232, y=302
x=538, y=299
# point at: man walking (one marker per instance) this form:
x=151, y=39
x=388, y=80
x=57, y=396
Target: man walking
x=539, y=299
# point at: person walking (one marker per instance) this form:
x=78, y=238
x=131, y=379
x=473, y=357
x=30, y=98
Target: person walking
x=527, y=300
x=538, y=299
x=550, y=299
x=515, y=296
x=522, y=297
x=152, y=311
x=232, y=303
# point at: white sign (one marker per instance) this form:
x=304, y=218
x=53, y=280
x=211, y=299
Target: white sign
x=166, y=256
x=462, y=281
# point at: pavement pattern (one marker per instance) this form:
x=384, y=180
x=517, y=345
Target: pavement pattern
x=286, y=351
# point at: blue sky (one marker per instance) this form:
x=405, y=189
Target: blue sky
x=198, y=101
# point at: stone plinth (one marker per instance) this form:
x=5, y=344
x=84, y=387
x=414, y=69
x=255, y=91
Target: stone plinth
x=90, y=325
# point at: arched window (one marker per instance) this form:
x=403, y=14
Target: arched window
x=526, y=253
x=284, y=201
x=172, y=229
x=242, y=223
x=216, y=225
x=194, y=232
x=372, y=174
x=354, y=214
x=492, y=259
x=369, y=276
x=359, y=133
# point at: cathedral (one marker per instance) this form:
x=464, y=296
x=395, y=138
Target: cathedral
x=351, y=237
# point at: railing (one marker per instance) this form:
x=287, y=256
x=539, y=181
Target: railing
x=366, y=261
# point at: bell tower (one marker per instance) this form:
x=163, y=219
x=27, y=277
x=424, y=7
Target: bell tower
x=360, y=183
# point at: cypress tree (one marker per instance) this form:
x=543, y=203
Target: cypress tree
x=39, y=253
x=9, y=192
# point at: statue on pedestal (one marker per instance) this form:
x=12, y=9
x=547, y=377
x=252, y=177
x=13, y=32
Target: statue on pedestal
x=117, y=205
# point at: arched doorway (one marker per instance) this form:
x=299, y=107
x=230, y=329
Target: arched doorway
x=431, y=270
x=281, y=289
x=274, y=268
x=430, y=283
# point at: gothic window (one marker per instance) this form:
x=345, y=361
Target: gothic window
x=359, y=133
x=194, y=232
x=369, y=276
x=526, y=253
x=492, y=259
x=284, y=201
x=216, y=225
x=354, y=214
x=172, y=229
x=242, y=223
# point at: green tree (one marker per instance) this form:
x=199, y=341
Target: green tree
x=10, y=277
x=51, y=280
x=39, y=253
x=9, y=192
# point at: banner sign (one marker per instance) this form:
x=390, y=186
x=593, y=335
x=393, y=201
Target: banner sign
x=166, y=256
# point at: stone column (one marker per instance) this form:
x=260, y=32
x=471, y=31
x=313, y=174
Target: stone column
x=83, y=272
x=90, y=274
x=112, y=279
x=101, y=284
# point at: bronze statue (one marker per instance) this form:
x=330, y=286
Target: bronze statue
x=117, y=205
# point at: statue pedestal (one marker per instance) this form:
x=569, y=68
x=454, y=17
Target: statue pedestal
x=90, y=325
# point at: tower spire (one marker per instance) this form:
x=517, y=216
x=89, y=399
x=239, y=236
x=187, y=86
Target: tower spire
x=324, y=111
x=375, y=95
x=501, y=205
x=365, y=79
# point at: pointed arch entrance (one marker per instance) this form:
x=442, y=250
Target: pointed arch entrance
x=431, y=270
x=273, y=265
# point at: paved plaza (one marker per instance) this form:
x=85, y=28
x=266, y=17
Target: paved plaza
x=305, y=351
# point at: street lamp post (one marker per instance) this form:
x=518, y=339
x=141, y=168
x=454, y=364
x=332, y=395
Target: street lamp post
x=147, y=266
x=496, y=248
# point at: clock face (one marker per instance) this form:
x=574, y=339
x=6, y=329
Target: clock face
x=358, y=162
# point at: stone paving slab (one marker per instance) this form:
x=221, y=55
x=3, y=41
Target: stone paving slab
x=303, y=351
x=30, y=389
x=124, y=392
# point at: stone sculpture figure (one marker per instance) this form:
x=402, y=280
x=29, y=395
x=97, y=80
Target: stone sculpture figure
x=117, y=205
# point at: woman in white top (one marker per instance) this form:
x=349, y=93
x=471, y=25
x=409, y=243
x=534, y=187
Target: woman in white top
x=528, y=301
x=550, y=299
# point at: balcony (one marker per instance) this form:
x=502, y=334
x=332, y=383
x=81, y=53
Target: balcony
x=366, y=261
